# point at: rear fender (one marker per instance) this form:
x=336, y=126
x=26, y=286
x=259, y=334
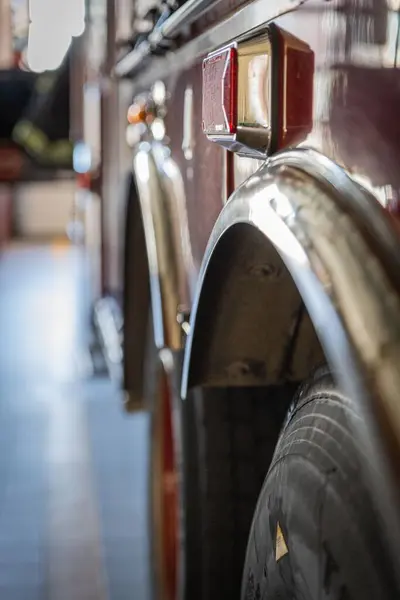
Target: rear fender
x=158, y=263
x=303, y=259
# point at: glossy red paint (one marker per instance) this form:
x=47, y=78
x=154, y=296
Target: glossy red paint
x=203, y=174
x=342, y=100
x=295, y=66
x=356, y=88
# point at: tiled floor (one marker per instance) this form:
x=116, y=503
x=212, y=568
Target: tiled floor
x=73, y=507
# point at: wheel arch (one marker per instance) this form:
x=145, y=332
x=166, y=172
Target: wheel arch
x=301, y=232
x=157, y=263
x=247, y=317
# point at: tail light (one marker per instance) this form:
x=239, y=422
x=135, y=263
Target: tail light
x=220, y=93
x=257, y=93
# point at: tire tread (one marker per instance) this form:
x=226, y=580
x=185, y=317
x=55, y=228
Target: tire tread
x=233, y=453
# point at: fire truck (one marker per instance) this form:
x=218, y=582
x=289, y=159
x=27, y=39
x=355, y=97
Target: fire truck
x=259, y=290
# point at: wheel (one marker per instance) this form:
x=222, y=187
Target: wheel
x=315, y=534
x=200, y=530
x=164, y=491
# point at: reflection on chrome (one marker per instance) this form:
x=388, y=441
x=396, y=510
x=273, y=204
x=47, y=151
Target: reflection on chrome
x=269, y=208
x=158, y=129
x=142, y=160
x=163, y=208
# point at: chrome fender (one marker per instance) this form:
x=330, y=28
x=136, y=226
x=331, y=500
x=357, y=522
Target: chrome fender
x=301, y=232
x=159, y=267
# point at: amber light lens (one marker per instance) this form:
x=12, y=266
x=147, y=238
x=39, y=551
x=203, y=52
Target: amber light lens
x=136, y=113
x=220, y=92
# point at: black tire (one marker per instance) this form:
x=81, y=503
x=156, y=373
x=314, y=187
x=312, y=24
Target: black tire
x=315, y=534
x=224, y=453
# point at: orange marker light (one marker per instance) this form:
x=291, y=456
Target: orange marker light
x=137, y=114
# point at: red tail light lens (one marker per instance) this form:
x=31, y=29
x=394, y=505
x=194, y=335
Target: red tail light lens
x=220, y=92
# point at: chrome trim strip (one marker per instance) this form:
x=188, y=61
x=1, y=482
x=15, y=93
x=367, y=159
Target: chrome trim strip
x=163, y=207
x=183, y=17
x=131, y=61
x=344, y=257
x=246, y=19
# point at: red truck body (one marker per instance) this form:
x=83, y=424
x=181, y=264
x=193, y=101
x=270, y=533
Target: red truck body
x=261, y=240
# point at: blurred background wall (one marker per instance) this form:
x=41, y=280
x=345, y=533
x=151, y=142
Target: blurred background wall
x=43, y=209
x=6, y=48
